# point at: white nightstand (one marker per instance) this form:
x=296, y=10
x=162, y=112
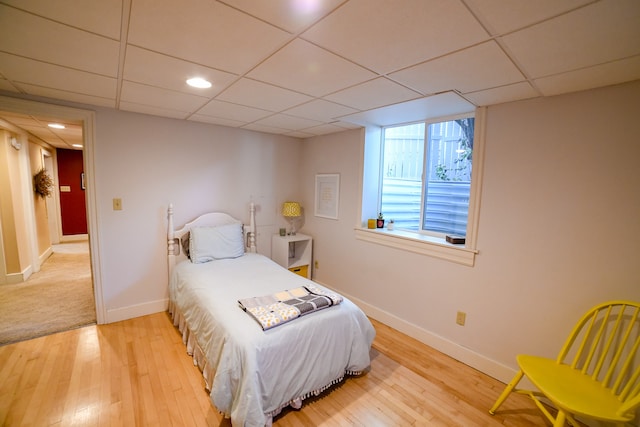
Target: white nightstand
x=293, y=253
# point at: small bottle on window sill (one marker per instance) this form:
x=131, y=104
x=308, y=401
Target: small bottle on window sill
x=390, y=225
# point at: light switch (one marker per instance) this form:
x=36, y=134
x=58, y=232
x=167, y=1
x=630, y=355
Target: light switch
x=117, y=204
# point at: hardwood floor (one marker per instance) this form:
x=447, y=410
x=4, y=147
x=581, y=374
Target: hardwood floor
x=137, y=372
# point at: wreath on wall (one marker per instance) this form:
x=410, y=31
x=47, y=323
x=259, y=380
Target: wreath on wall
x=43, y=183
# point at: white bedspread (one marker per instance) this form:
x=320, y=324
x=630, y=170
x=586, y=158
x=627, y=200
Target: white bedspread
x=258, y=372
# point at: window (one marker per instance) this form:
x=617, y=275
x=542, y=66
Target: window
x=434, y=199
x=426, y=176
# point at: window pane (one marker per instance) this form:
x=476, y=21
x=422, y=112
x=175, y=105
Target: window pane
x=403, y=159
x=443, y=205
x=450, y=152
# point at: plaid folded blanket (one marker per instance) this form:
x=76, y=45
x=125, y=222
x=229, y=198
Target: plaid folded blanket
x=282, y=307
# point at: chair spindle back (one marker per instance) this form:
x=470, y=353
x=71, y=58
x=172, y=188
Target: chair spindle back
x=605, y=344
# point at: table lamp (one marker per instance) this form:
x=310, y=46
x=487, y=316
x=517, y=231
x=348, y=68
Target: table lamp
x=291, y=211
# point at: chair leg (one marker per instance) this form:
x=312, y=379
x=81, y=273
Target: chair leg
x=507, y=390
x=560, y=418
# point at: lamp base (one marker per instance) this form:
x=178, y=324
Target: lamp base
x=292, y=232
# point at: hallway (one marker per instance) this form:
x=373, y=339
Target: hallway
x=57, y=298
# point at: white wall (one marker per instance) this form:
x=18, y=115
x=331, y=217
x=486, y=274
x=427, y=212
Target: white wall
x=149, y=162
x=559, y=231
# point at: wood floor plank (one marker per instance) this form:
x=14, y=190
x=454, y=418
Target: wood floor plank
x=137, y=373
x=41, y=399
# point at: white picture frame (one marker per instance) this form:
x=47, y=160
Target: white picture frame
x=327, y=195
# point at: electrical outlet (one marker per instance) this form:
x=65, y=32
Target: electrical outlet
x=316, y=265
x=461, y=317
x=117, y=204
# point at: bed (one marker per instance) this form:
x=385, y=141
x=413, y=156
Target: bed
x=251, y=371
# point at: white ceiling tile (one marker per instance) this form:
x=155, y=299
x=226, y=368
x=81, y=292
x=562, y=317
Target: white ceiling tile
x=346, y=125
x=320, y=110
x=42, y=121
x=44, y=136
x=602, y=75
x=33, y=127
x=73, y=132
x=309, y=69
x=23, y=70
x=324, y=129
x=215, y=120
x=27, y=35
x=601, y=32
x=227, y=110
x=290, y=15
x=499, y=95
x=203, y=31
x=17, y=119
x=380, y=35
x=160, y=98
x=102, y=17
x=264, y=128
x=144, y=66
x=443, y=104
x=152, y=110
x=284, y=121
x=67, y=96
x=58, y=138
x=373, y=94
x=37, y=127
x=330, y=64
x=299, y=134
x=262, y=95
x=479, y=67
x=501, y=18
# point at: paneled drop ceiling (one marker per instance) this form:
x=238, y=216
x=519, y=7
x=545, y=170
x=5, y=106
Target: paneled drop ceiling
x=69, y=137
x=312, y=67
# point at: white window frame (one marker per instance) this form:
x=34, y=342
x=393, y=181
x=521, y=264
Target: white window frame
x=420, y=242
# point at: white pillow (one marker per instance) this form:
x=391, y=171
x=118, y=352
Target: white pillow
x=211, y=243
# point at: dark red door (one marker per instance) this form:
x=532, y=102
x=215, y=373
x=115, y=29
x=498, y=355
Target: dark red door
x=72, y=200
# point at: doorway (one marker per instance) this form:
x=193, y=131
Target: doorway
x=73, y=215
x=86, y=119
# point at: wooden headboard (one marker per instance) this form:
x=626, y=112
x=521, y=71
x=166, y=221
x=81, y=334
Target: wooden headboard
x=174, y=249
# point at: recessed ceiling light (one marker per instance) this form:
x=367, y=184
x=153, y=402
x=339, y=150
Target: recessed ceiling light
x=199, y=82
x=56, y=125
x=77, y=145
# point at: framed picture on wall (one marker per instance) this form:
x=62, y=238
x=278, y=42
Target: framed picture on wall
x=327, y=195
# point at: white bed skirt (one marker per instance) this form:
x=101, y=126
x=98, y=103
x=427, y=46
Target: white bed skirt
x=208, y=371
x=193, y=349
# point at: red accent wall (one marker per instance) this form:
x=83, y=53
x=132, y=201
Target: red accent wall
x=72, y=203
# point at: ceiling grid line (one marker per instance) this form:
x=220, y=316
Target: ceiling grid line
x=124, y=36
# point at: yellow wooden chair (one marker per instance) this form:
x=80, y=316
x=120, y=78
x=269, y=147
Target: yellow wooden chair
x=597, y=373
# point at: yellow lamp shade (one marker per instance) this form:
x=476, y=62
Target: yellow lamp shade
x=291, y=209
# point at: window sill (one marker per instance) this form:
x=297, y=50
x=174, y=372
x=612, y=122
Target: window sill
x=418, y=243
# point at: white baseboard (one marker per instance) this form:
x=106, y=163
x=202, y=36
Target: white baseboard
x=467, y=356
x=74, y=238
x=125, y=313
x=45, y=255
x=15, y=278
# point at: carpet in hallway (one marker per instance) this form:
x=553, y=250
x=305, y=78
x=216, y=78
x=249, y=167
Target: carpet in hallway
x=57, y=298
